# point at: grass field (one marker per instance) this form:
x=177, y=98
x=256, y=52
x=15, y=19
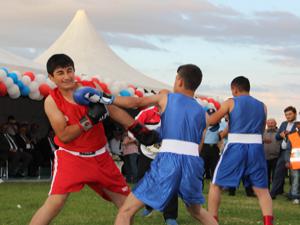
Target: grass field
x=18, y=202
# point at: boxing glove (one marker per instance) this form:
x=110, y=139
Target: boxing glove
x=96, y=112
x=85, y=95
x=144, y=135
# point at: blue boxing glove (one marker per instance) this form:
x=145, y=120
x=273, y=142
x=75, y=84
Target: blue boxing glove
x=85, y=95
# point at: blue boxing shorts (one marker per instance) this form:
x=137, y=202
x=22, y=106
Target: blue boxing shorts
x=171, y=174
x=242, y=161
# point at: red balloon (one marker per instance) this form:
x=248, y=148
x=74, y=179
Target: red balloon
x=132, y=86
x=217, y=105
x=77, y=78
x=139, y=93
x=30, y=75
x=211, y=100
x=44, y=89
x=3, y=89
x=103, y=86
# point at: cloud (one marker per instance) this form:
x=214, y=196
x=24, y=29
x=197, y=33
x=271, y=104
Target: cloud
x=38, y=23
x=286, y=56
x=129, y=41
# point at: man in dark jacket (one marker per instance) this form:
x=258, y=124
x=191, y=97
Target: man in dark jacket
x=285, y=129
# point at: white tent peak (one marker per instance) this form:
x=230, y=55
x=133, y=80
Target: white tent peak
x=93, y=56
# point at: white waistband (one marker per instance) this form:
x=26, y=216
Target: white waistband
x=85, y=154
x=179, y=147
x=245, y=138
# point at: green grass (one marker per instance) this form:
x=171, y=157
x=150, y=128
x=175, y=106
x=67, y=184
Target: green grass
x=86, y=207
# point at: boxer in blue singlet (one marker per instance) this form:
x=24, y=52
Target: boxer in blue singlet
x=178, y=168
x=243, y=156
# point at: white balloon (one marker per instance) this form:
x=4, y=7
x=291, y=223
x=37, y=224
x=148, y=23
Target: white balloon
x=211, y=106
x=16, y=95
x=148, y=94
x=14, y=89
x=97, y=77
x=35, y=95
x=51, y=84
x=33, y=86
x=141, y=90
x=205, y=102
x=19, y=75
x=108, y=81
x=115, y=90
x=2, y=75
x=131, y=90
x=200, y=101
x=2, y=71
x=40, y=78
x=8, y=82
x=26, y=80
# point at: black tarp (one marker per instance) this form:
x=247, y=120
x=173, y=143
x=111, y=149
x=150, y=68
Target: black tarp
x=25, y=110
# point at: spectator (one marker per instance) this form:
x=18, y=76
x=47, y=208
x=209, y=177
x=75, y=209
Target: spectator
x=115, y=144
x=18, y=160
x=271, y=147
x=27, y=145
x=293, y=162
x=12, y=127
x=210, y=151
x=130, y=152
x=285, y=128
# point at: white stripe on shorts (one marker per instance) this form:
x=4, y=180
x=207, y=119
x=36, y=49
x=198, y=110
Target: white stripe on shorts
x=54, y=172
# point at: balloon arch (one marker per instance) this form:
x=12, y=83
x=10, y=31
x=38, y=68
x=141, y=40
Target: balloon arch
x=37, y=86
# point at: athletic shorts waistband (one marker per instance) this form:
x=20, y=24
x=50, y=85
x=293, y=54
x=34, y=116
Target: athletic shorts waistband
x=179, y=147
x=84, y=154
x=245, y=138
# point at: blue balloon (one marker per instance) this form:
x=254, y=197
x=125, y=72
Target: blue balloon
x=125, y=93
x=20, y=84
x=205, y=108
x=5, y=70
x=25, y=90
x=14, y=77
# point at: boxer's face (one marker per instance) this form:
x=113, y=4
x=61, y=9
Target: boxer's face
x=64, y=78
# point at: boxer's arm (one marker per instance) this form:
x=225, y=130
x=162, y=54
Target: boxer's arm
x=120, y=116
x=225, y=108
x=58, y=122
x=132, y=102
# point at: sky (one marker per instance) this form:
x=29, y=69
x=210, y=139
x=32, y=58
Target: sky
x=257, y=39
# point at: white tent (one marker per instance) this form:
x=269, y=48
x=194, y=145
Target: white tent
x=92, y=56
x=14, y=62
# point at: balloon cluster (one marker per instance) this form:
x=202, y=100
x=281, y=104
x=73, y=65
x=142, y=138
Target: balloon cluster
x=16, y=84
x=116, y=87
x=36, y=87
x=208, y=103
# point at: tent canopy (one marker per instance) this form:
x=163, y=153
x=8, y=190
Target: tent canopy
x=92, y=56
x=14, y=62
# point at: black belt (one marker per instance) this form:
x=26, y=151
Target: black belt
x=87, y=153
x=211, y=145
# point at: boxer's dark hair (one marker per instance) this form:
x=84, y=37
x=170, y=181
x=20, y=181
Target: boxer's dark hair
x=242, y=83
x=191, y=75
x=59, y=61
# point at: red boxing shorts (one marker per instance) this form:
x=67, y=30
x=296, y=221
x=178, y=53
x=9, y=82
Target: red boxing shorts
x=71, y=171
